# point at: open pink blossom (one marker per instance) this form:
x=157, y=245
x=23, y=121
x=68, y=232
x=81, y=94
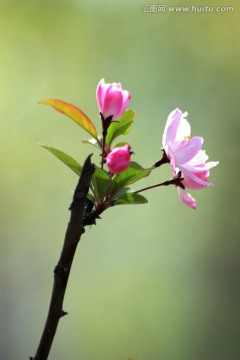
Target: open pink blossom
x=185, y=155
x=112, y=99
x=118, y=159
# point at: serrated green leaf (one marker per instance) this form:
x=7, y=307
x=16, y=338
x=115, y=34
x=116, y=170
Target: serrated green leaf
x=131, y=199
x=65, y=158
x=120, y=127
x=134, y=173
x=74, y=113
x=100, y=181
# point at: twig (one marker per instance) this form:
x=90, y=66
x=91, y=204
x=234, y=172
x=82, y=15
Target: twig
x=62, y=270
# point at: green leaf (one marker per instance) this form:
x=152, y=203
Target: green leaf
x=122, y=143
x=66, y=159
x=91, y=197
x=100, y=181
x=94, y=142
x=131, y=199
x=74, y=113
x=134, y=173
x=120, y=127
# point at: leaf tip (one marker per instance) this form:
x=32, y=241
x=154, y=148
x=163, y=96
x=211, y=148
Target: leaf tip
x=44, y=102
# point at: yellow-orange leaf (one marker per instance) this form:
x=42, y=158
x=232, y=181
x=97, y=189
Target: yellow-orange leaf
x=74, y=113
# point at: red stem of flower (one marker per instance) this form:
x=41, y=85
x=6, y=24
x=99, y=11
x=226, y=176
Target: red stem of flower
x=176, y=180
x=165, y=183
x=104, y=133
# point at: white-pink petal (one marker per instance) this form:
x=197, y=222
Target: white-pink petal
x=99, y=93
x=186, y=198
x=196, y=181
x=189, y=151
x=199, y=167
x=171, y=127
x=200, y=158
x=184, y=129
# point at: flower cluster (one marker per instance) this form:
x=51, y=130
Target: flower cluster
x=190, y=168
x=112, y=102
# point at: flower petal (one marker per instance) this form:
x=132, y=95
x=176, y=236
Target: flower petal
x=196, y=181
x=200, y=158
x=198, y=167
x=112, y=102
x=99, y=93
x=189, y=151
x=186, y=198
x=118, y=159
x=171, y=128
x=126, y=98
x=184, y=129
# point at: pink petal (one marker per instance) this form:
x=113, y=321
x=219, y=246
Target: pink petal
x=172, y=160
x=186, y=198
x=198, y=167
x=126, y=98
x=184, y=129
x=189, y=151
x=171, y=127
x=118, y=159
x=196, y=181
x=99, y=93
x=179, y=145
x=199, y=158
x=112, y=102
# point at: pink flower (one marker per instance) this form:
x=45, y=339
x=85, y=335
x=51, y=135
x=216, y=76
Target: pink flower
x=118, y=159
x=112, y=99
x=185, y=155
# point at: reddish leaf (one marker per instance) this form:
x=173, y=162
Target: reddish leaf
x=74, y=113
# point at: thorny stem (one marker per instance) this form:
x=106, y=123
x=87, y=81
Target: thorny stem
x=62, y=270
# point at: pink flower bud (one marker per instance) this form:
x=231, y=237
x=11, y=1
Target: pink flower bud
x=118, y=159
x=112, y=99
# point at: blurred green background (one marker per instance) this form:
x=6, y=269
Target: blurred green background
x=155, y=281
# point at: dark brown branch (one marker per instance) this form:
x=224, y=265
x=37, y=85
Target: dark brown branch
x=61, y=272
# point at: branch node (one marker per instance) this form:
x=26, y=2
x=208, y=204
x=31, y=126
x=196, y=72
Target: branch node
x=63, y=313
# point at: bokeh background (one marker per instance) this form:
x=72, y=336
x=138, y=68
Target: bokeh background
x=155, y=281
